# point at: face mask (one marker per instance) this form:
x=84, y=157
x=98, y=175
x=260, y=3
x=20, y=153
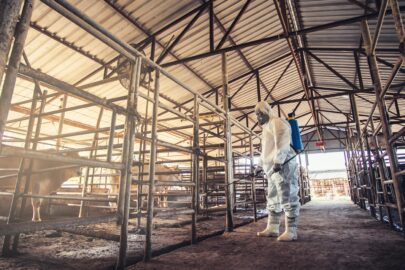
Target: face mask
x=262, y=118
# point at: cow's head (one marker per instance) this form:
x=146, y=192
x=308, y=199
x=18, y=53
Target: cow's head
x=74, y=171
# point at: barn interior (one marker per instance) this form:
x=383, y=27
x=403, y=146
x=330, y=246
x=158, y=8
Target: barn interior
x=129, y=139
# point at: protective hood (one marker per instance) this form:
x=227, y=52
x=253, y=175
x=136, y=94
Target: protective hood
x=264, y=107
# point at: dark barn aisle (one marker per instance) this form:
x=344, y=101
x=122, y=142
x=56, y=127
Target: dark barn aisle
x=333, y=235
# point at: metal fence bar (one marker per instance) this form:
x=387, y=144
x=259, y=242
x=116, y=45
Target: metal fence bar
x=126, y=173
x=149, y=220
x=195, y=172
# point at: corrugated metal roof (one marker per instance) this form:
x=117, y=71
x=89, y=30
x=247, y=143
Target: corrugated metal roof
x=260, y=20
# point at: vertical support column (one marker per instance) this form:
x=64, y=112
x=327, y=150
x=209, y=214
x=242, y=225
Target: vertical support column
x=253, y=178
x=363, y=173
x=386, y=130
x=371, y=176
x=22, y=169
x=228, y=148
x=15, y=58
x=382, y=169
x=111, y=136
x=127, y=156
x=301, y=181
x=152, y=161
x=61, y=120
x=87, y=176
x=195, y=171
x=348, y=164
x=8, y=88
x=259, y=98
x=34, y=147
x=204, y=180
x=9, y=10
x=141, y=158
x=211, y=22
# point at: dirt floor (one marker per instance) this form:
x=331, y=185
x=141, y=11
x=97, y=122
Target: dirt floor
x=332, y=235
x=96, y=246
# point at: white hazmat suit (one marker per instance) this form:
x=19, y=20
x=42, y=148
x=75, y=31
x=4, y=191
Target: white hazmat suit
x=279, y=163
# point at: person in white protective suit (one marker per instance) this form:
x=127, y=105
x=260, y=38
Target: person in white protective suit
x=278, y=162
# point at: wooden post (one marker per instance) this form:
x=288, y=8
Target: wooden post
x=228, y=148
x=127, y=155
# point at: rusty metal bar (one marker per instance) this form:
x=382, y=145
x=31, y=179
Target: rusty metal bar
x=233, y=24
x=87, y=176
x=149, y=219
x=386, y=130
x=70, y=89
x=381, y=15
x=211, y=22
x=15, y=57
x=195, y=172
x=127, y=157
x=20, y=152
x=251, y=154
x=61, y=119
x=8, y=20
x=7, y=93
x=228, y=148
x=29, y=172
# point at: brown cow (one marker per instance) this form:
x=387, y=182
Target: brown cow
x=41, y=184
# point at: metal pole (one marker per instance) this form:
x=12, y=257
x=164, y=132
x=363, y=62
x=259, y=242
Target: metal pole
x=253, y=178
x=383, y=176
x=61, y=119
x=386, y=130
x=9, y=10
x=111, y=136
x=365, y=177
x=151, y=191
x=228, y=148
x=15, y=58
x=5, y=101
x=127, y=156
x=28, y=173
x=195, y=171
x=142, y=156
x=87, y=176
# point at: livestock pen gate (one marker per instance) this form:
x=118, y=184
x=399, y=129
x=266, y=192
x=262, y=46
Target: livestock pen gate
x=376, y=167
x=113, y=109
x=123, y=122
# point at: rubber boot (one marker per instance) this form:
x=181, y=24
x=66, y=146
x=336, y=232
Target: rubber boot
x=290, y=233
x=273, y=226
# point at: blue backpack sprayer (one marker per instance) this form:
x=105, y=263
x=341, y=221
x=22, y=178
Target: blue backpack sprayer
x=296, y=140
